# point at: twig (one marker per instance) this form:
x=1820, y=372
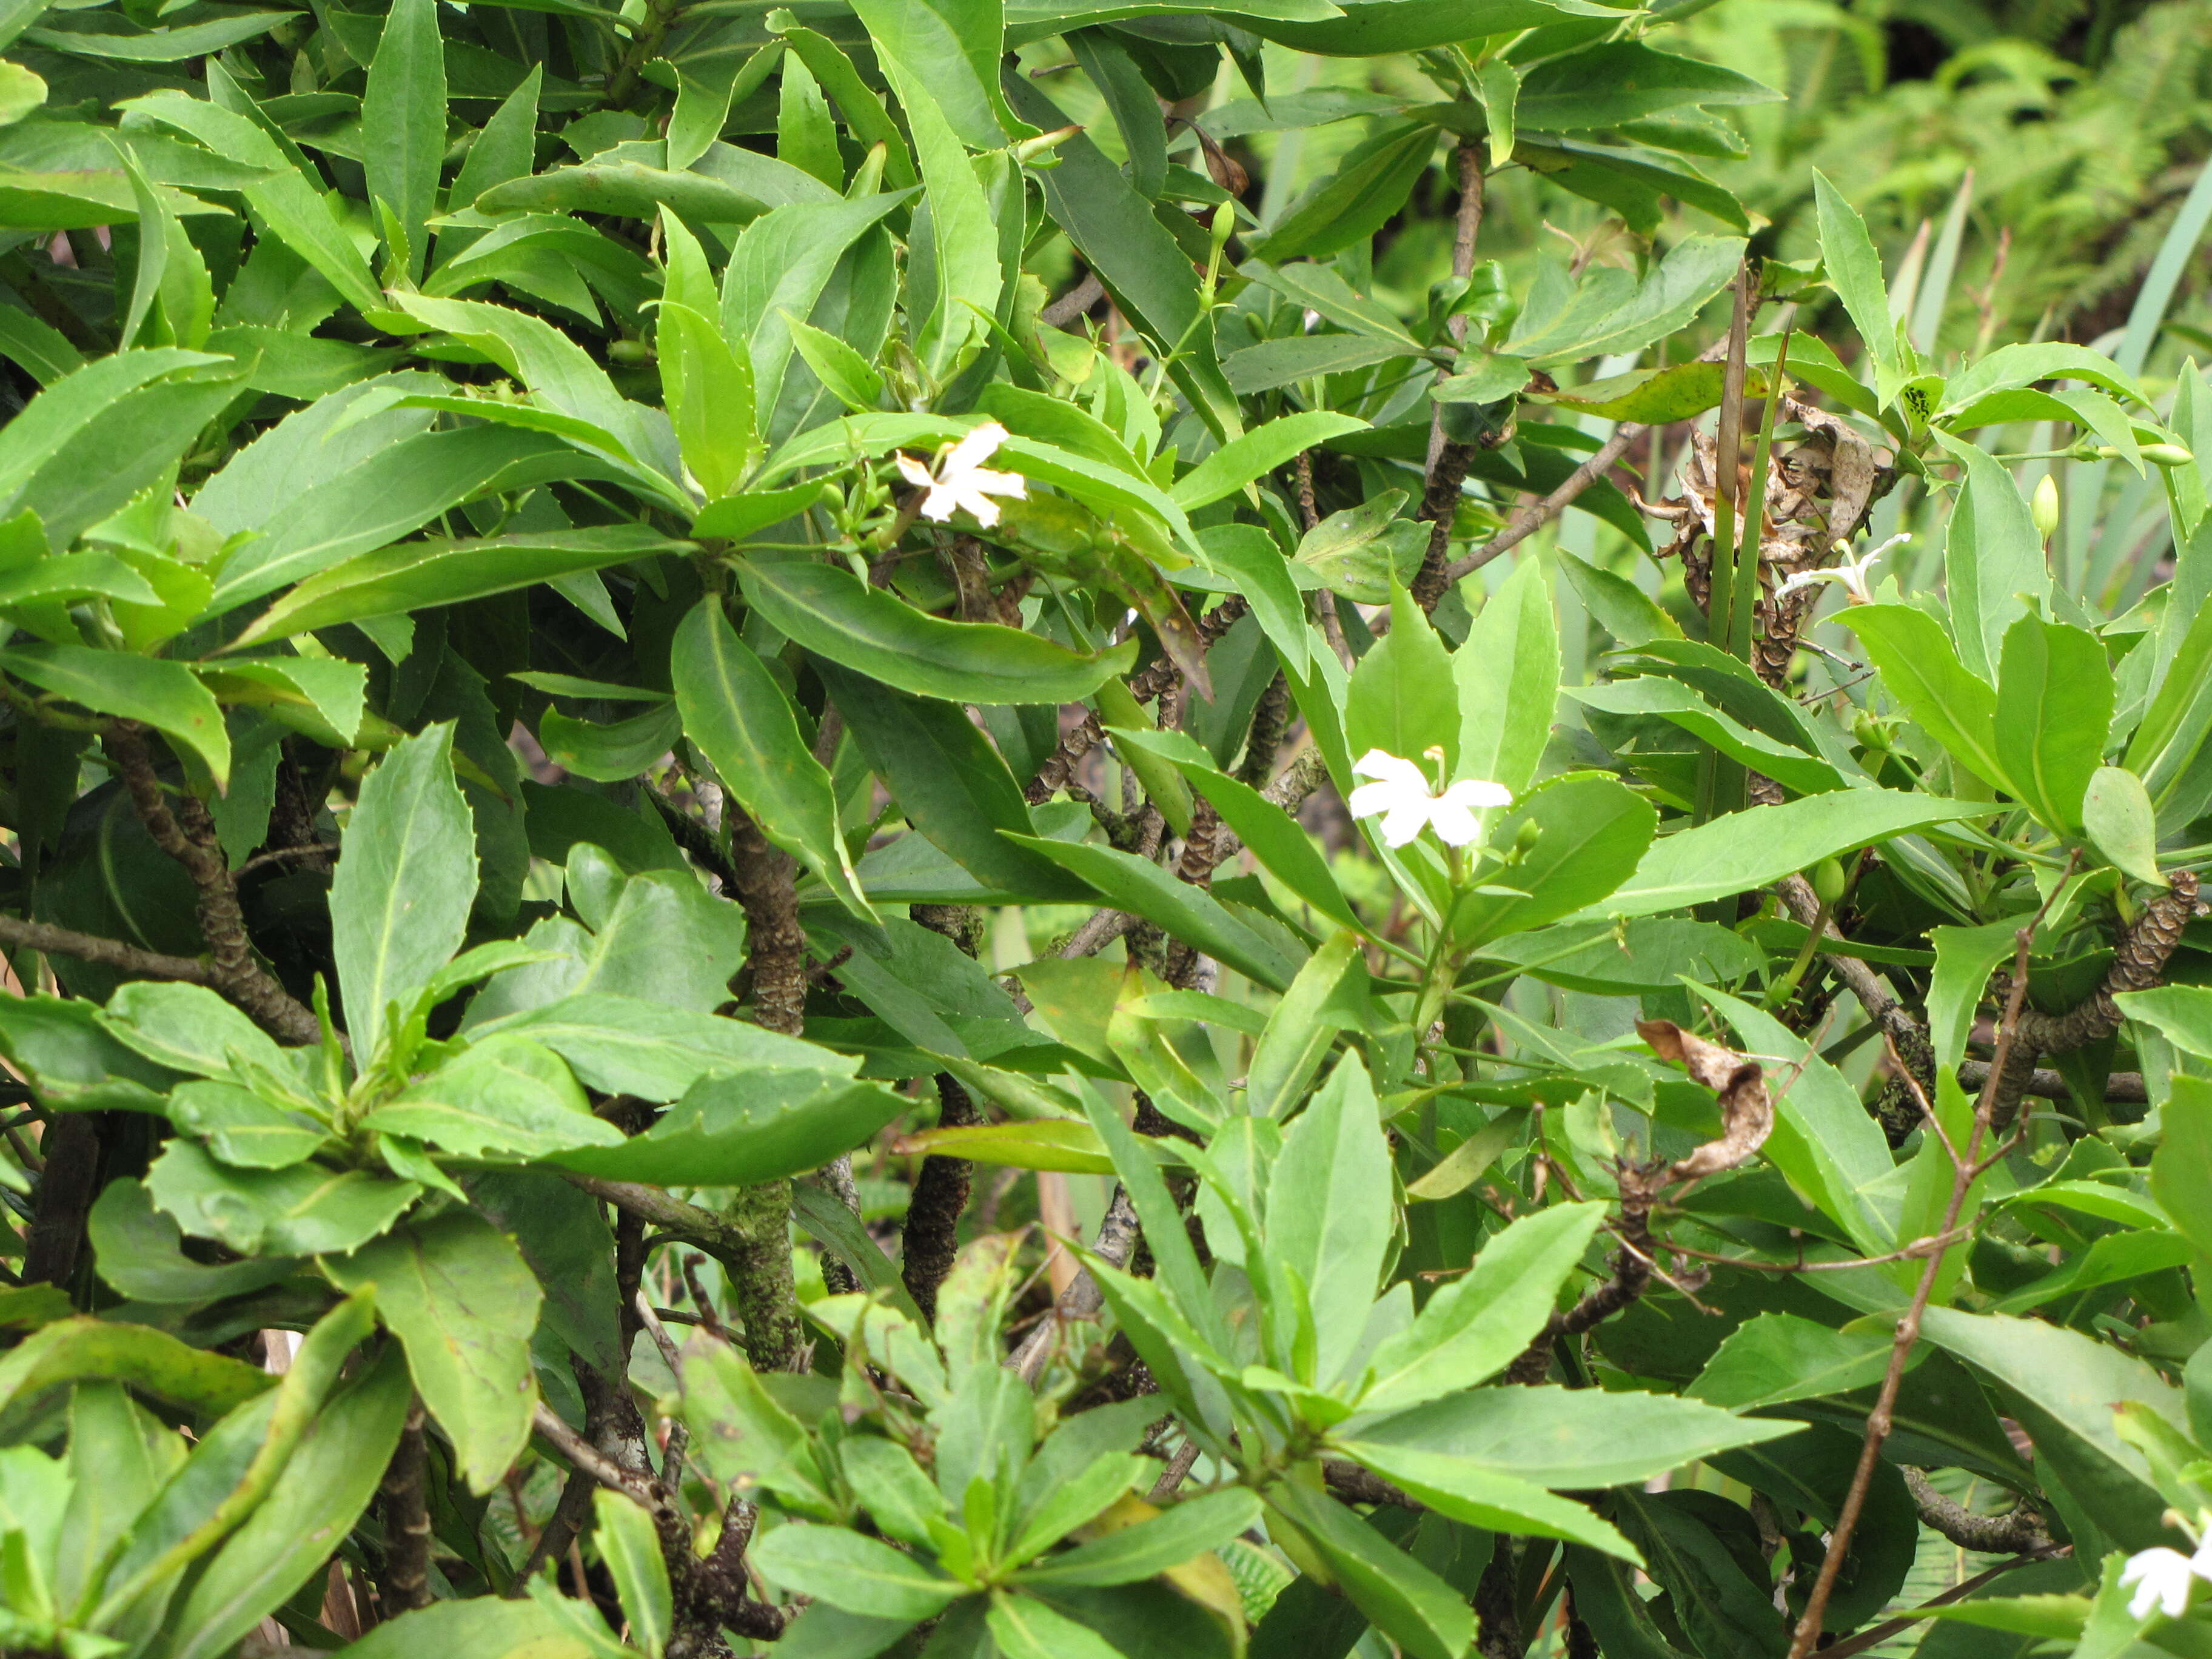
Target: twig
x=679, y=1431
x=2019, y=1531
x=1913, y=1252
x=1103, y=927
x=1875, y=1636
x=1448, y=458
x=404, y=1583
x=1526, y=522
x=1808, y=1633
x=1116, y=1241
x=104, y=952
x=709, y=1317
x=1074, y=303
x=187, y=835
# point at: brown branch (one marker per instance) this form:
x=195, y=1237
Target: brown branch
x=2127, y=1088
x=104, y=952
x=1357, y=1485
x=187, y=835
x=1114, y=1243
x=931, y=1236
x=1449, y=459
x=1894, y=1107
x=1808, y=1633
x=1059, y=769
x=67, y=1187
x=1079, y=300
x=404, y=1584
x=1876, y=1635
x=1526, y=522
x=2019, y=1531
x=2138, y=964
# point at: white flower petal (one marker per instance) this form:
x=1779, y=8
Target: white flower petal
x=1477, y=792
x=915, y=472
x=1404, y=820
x=1807, y=579
x=1370, y=799
x=1454, y=823
x=973, y=449
x=939, y=504
x=2163, y=1577
x=1381, y=763
x=1010, y=485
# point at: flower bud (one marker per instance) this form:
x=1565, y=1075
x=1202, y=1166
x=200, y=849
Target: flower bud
x=2044, y=508
x=1829, y=881
x=1524, y=838
x=2167, y=455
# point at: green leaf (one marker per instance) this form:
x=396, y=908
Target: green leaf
x=708, y=386
x=163, y=695
x=742, y=1436
x=2117, y=817
x=2181, y=1168
x=463, y=1302
x=1920, y=669
x=1022, y=1627
x=78, y=1350
x=1351, y=204
x=400, y=902
x=1258, y=452
x=1603, y=86
x=1402, y=699
x=2054, y=706
x=290, y=204
x=138, y=1250
x=1507, y=674
x=1592, y=834
x=1779, y=1357
x=402, y=118
x=1681, y=393
x=484, y=1628
x=1422, y=1613
x=858, y=1574
x=1611, y=312
x=1049, y=1144
x=964, y=241
x=836, y=616
x=1152, y=283
x=1328, y=996
x=1480, y=1322
x=505, y=1096
x=946, y=50
x=620, y=1044
x=1650, y=694
x=1135, y=106
x=362, y=511
x=631, y=1549
x=1853, y=271
x=326, y=1486
x=741, y=1129
x=950, y=783
x=2064, y=1386
x=1275, y=838
x=738, y=716
x=1330, y=1216
x=1190, y=914
x=1480, y=1498
x=188, y=1028
x=1570, y=1438
x=1153, y=1545
x=305, y=1210
x=1993, y=557
x=846, y=373
x=1744, y=850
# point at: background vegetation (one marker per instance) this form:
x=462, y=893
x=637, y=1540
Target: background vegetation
x=1105, y=827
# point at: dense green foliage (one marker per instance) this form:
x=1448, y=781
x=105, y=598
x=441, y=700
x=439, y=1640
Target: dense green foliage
x=883, y=828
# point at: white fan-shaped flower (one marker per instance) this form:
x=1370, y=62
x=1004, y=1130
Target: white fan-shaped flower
x=1400, y=794
x=2163, y=1579
x=960, y=480
x=1854, y=576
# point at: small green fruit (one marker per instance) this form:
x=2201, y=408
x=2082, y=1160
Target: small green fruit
x=1829, y=881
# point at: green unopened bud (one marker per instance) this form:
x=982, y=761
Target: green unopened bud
x=2044, y=508
x=1224, y=224
x=1829, y=881
x=629, y=351
x=1044, y=143
x=2167, y=455
x=1524, y=838
x=1868, y=731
